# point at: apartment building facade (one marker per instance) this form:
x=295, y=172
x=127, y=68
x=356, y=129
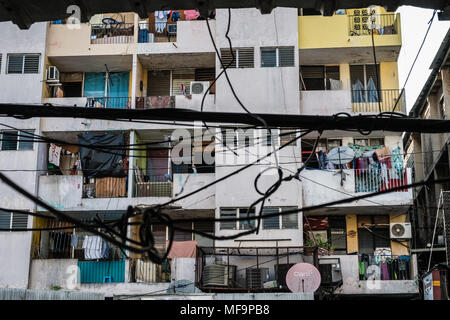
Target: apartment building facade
x=289, y=61
x=428, y=158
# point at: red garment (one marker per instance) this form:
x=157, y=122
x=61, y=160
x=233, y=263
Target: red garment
x=183, y=249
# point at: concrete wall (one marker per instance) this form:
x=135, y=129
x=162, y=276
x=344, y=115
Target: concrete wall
x=61, y=192
x=46, y=273
x=328, y=185
x=325, y=102
x=191, y=182
x=21, y=88
x=263, y=90
x=14, y=259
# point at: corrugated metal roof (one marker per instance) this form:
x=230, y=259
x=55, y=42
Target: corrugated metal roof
x=24, y=294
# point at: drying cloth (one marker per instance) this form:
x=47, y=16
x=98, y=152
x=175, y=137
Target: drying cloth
x=74, y=241
x=191, y=14
x=335, y=84
x=183, y=249
x=92, y=246
x=54, y=154
x=160, y=20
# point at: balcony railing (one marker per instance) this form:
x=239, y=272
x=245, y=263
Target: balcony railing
x=112, y=33
x=155, y=102
x=372, y=100
x=145, y=271
x=372, y=180
x=383, y=24
x=109, y=102
x=108, y=187
x=102, y=271
x=384, y=267
x=154, y=186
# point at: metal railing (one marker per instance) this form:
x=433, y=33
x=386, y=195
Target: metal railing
x=112, y=33
x=157, y=33
x=382, y=24
x=372, y=100
x=155, y=102
x=145, y=271
x=384, y=267
x=153, y=186
x=109, y=102
x=377, y=179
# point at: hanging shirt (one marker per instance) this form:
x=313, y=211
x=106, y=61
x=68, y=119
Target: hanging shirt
x=92, y=246
x=54, y=154
x=191, y=14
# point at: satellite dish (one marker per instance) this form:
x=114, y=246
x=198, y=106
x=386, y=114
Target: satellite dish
x=182, y=286
x=303, y=277
x=341, y=155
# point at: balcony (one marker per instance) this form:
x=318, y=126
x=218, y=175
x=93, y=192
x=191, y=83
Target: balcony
x=91, y=102
x=112, y=33
x=192, y=102
x=342, y=39
x=385, y=24
x=317, y=102
x=375, y=274
x=327, y=183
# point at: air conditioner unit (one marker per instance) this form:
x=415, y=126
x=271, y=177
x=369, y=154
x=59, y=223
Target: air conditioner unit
x=172, y=29
x=52, y=74
x=256, y=277
x=219, y=275
x=400, y=230
x=199, y=87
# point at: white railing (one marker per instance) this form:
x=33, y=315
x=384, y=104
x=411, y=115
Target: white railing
x=372, y=180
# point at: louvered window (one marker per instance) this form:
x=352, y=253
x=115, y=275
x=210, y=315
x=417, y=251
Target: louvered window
x=18, y=64
x=182, y=78
x=158, y=83
x=243, y=57
x=278, y=57
x=13, y=139
x=288, y=221
x=10, y=220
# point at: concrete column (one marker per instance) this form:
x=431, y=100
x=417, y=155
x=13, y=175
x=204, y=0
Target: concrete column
x=436, y=140
x=131, y=165
x=445, y=75
x=133, y=81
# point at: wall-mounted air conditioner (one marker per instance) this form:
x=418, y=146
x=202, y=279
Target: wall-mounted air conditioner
x=199, y=87
x=219, y=275
x=172, y=29
x=400, y=230
x=52, y=74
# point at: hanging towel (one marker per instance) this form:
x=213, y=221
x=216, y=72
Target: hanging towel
x=335, y=84
x=92, y=246
x=54, y=154
x=191, y=14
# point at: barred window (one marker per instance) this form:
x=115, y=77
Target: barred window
x=23, y=63
x=9, y=220
x=243, y=57
x=278, y=57
x=12, y=140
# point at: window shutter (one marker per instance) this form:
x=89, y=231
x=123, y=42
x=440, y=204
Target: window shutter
x=9, y=140
x=19, y=221
x=5, y=220
x=226, y=56
x=271, y=222
x=158, y=83
x=246, y=57
x=184, y=77
x=286, y=57
x=31, y=64
x=289, y=221
x=312, y=72
x=228, y=214
x=26, y=140
x=268, y=57
x=15, y=64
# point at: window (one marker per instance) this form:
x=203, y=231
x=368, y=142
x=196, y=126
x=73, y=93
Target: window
x=373, y=233
x=1, y=62
x=278, y=57
x=228, y=214
x=320, y=78
x=281, y=221
x=364, y=82
x=23, y=64
x=246, y=225
x=15, y=140
x=369, y=142
x=243, y=57
x=10, y=220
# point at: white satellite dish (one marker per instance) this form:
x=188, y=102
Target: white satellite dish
x=341, y=156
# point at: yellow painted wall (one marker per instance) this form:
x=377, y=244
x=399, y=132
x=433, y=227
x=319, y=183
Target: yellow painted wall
x=397, y=248
x=333, y=32
x=389, y=75
x=352, y=233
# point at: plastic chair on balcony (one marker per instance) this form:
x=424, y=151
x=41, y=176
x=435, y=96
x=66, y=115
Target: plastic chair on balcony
x=107, y=279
